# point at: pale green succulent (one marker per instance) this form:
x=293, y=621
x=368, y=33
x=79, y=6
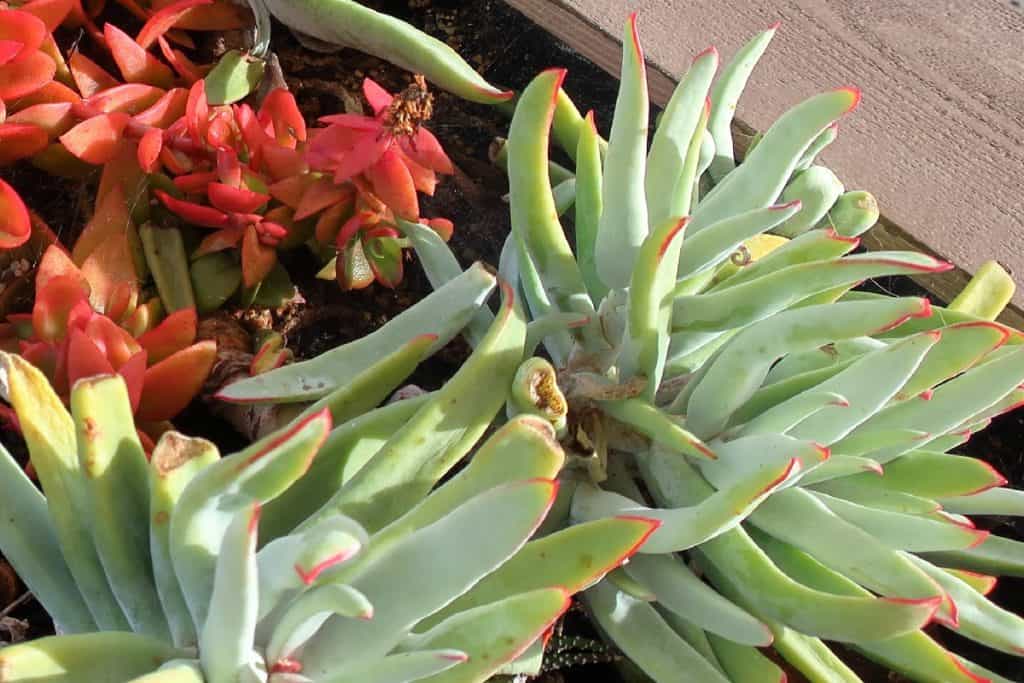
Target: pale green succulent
x=365, y=570
x=791, y=434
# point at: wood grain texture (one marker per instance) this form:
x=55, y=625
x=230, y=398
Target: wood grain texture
x=939, y=137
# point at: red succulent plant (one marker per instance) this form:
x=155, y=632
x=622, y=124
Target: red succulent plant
x=162, y=364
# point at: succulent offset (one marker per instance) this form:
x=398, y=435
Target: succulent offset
x=313, y=555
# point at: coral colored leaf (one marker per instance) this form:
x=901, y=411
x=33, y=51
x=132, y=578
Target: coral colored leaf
x=130, y=98
x=165, y=111
x=112, y=262
x=322, y=194
x=280, y=112
x=222, y=15
x=15, y=225
x=329, y=223
x=136, y=65
x=150, y=146
x=173, y=382
x=281, y=162
x=425, y=150
x=423, y=178
x=197, y=214
x=56, y=263
x=55, y=118
x=379, y=98
x=52, y=12
x=228, y=238
x=185, y=67
x=290, y=191
x=195, y=183
x=367, y=152
x=197, y=111
x=122, y=301
x=164, y=19
x=393, y=183
x=53, y=304
x=89, y=77
x=442, y=226
x=20, y=140
x=85, y=359
x=117, y=345
x=50, y=93
x=235, y=199
x=23, y=29
x=174, y=333
x=257, y=258
x=95, y=140
x=26, y=75
x=133, y=371
x=122, y=171
x=9, y=49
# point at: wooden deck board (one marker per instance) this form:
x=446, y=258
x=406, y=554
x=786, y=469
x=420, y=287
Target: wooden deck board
x=939, y=137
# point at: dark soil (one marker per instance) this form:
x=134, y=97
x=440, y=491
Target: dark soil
x=509, y=50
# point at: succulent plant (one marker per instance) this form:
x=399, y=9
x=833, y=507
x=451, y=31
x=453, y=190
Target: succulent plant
x=712, y=367
x=362, y=571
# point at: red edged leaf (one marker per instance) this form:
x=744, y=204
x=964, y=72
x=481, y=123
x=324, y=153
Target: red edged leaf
x=9, y=49
x=197, y=214
x=258, y=259
x=21, y=140
x=150, y=146
x=115, y=342
x=15, y=224
x=423, y=148
x=185, y=67
x=222, y=15
x=48, y=94
x=130, y=98
x=173, y=382
x=197, y=112
x=85, y=359
x=379, y=98
x=52, y=12
x=423, y=178
x=195, y=183
x=322, y=194
x=56, y=118
x=164, y=19
x=95, y=140
x=235, y=199
x=112, y=260
x=393, y=183
x=56, y=263
x=328, y=225
x=352, y=227
x=229, y=168
x=358, y=159
x=23, y=29
x=90, y=78
x=289, y=191
x=133, y=372
x=174, y=333
x=228, y=238
x=281, y=162
x=356, y=122
x=135, y=64
x=29, y=73
x=122, y=301
x=122, y=171
x=280, y=113
x=166, y=110
x=268, y=359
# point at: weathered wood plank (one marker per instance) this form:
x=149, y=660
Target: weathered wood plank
x=939, y=137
